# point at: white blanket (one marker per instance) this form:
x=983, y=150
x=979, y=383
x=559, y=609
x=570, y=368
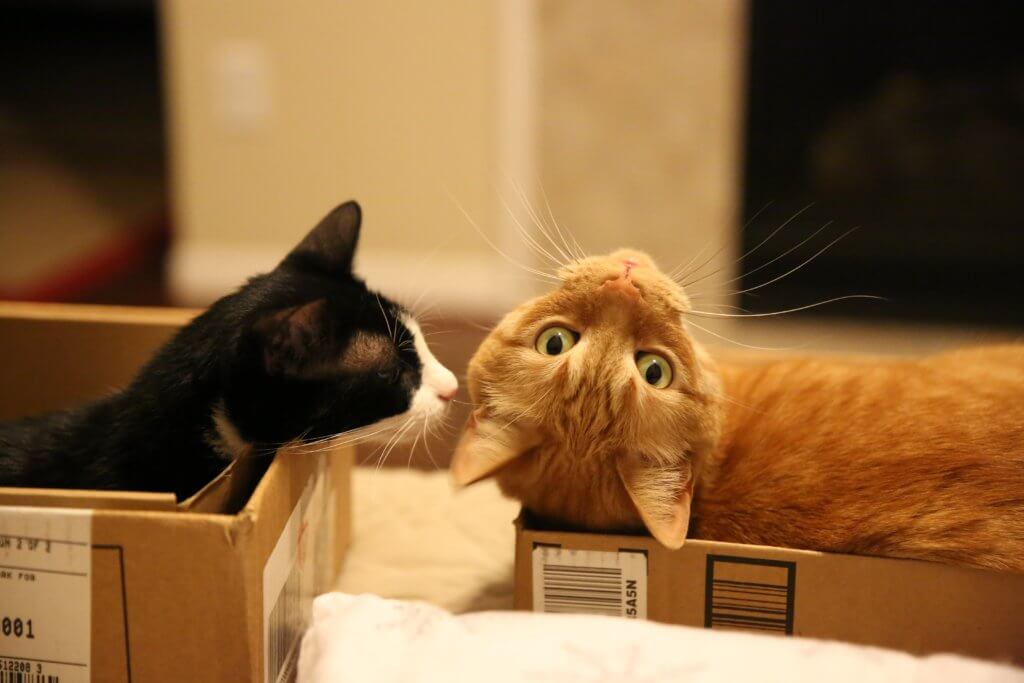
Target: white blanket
x=367, y=639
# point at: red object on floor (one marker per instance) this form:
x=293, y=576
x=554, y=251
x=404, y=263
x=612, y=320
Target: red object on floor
x=96, y=268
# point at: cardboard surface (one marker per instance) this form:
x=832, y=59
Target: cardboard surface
x=919, y=607
x=177, y=589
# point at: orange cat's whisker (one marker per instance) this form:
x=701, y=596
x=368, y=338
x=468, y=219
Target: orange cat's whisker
x=782, y=255
x=579, y=252
x=737, y=343
x=796, y=268
x=538, y=222
x=529, y=239
x=680, y=279
x=701, y=267
x=679, y=271
x=540, y=273
x=711, y=314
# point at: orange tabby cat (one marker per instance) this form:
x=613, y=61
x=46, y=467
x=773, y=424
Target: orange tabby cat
x=598, y=410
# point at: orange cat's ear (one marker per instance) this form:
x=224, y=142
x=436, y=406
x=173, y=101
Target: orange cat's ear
x=486, y=445
x=662, y=495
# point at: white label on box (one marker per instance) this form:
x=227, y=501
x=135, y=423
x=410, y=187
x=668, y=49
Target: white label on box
x=45, y=594
x=590, y=582
x=290, y=576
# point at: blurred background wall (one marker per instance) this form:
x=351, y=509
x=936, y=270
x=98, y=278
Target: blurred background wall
x=276, y=116
x=426, y=111
x=782, y=154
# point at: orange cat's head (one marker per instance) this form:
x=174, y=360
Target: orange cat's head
x=595, y=407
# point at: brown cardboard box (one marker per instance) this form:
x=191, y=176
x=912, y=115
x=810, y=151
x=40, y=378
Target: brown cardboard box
x=921, y=607
x=215, y=588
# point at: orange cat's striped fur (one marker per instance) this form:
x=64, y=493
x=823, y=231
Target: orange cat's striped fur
x=907, y=458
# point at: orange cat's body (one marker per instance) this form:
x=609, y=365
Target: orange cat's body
x=909, y=458
x=920, y=458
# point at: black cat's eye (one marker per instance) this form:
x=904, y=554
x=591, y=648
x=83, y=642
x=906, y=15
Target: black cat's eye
x=390, y=375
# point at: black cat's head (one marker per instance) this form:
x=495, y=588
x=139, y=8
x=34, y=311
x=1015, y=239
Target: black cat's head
x=315, y=353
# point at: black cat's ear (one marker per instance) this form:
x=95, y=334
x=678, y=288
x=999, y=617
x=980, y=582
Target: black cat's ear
x=289, y=337
x=331, y=245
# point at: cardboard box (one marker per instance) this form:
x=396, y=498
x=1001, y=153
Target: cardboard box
x=123, y=586
x=920, y=607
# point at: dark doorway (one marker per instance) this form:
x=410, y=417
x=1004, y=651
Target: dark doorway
x=904, y=120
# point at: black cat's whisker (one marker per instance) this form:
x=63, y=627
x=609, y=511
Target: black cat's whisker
x=376, y=455
x=347, y=436
x=333, y=441
x=419, y=299
x=476, y=325
x=418, y=270
x=412, y=450
x=385, y=316
x=428, y=315
x=711, y=314
x=428, y=433
x=396, y=439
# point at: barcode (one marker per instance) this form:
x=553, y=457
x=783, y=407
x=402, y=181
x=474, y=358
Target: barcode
x=285, y=629
x=22, y=677
x=748, y=593
x=592, y=590
x=612, y=583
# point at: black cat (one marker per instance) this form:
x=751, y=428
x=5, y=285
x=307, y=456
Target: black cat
x=303, y=352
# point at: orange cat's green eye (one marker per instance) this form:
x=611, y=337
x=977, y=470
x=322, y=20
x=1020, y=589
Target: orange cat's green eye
x=555, y=341
x=655, y=370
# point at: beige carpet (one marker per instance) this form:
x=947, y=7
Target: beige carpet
x=415, y=538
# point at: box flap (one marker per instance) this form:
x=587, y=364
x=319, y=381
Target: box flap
x=77, y=498
x=66, y=355
x=231, y=489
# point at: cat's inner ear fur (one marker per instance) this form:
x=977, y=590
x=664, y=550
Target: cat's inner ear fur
x=487, y=444
x=289, y=336
x=662, y=494
x=331, y=245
